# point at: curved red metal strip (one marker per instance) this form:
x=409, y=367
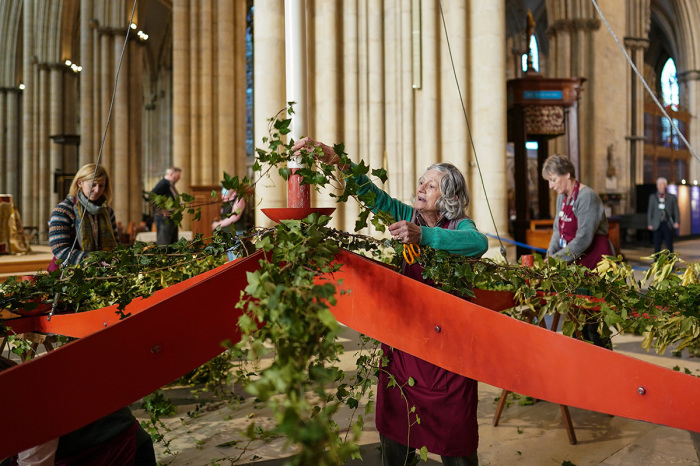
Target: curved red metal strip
x=184, y=327
x=501, y=351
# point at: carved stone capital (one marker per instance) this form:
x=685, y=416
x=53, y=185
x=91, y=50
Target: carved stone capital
x=635, y=43
x=574, y=25
x=690, y=75
x=109, y=31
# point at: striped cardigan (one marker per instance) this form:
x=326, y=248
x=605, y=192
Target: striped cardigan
x=62, y=232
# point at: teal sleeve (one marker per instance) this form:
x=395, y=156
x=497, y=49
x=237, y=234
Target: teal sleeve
x=383, y=202
x=465, y=240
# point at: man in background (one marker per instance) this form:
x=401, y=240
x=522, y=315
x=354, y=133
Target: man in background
x=167, y=231
x=663, y=215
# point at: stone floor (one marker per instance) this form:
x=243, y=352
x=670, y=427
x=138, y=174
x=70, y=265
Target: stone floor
x=527, y=434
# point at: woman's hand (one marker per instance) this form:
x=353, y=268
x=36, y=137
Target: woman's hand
x=308, y=144
x=405, y=232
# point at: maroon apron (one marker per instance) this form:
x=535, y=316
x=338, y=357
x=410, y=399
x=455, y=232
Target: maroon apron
x=445, y=402
x=568, y=226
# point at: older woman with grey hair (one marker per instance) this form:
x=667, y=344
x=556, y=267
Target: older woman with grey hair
x=445, y=402
x=580, y=228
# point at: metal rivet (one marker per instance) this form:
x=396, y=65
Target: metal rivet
x=437, y=329
x=155, y=349
x=641, y=390
x=105, y=324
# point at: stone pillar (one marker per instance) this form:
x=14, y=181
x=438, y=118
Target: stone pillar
x=635, y=49
x=44, y=171
x=208, y=99
x=325, y=104
x=38, y=105
x=13, y=154
x=4, y=146
x=86, y=80
x=269, y=92
x=407, y=95
x=135, y=151
x=27, y=158
x=194, y=92
x=55, y=127
x=227, y=142
x=488, y=121
x=454, y=144
x=182, y=111
x=106, y=76
x=690, y=82
x=427, y=99
x=119, y=172
x=375, y=92
x=350, y=132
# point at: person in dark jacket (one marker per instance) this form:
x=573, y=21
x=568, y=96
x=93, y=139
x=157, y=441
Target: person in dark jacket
x=166, y=229
x=663, y=215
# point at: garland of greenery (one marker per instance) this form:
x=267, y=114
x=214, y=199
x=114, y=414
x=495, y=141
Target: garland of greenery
x=303, y=384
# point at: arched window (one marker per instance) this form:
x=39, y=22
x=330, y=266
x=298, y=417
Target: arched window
x=535, y=51
x=669, y=84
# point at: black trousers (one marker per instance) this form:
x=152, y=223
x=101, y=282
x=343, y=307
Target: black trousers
x=665, y=233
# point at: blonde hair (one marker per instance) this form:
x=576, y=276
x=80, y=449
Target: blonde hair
x=86, y=173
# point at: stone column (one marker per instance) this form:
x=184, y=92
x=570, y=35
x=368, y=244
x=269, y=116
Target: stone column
x=269, y=92
x=324, y=85
x=181, y=111
x=635, y=49
x=120, y=132
x=38, y=105
x=194, y=93
x=55, y=127
x=375, y=92
x=208, y=100
x=86, y=80
x=25, y=204
x=427, y=99
x=44, y=171
x=690, y=80
x=135, y=153
x=407, y=96
x=106, y=76
x=488, y=121
x=13, y=153
x=454, y=144
x=4, y=146
x=350, y=132
x=228, y=46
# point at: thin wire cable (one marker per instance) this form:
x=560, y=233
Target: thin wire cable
x=469, y=132
x=641, y=78
x=102, y=144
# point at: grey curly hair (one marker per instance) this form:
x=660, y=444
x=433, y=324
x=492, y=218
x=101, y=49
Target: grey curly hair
x=454, y=194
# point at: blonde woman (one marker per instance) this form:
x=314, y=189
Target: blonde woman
x=83, y=218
